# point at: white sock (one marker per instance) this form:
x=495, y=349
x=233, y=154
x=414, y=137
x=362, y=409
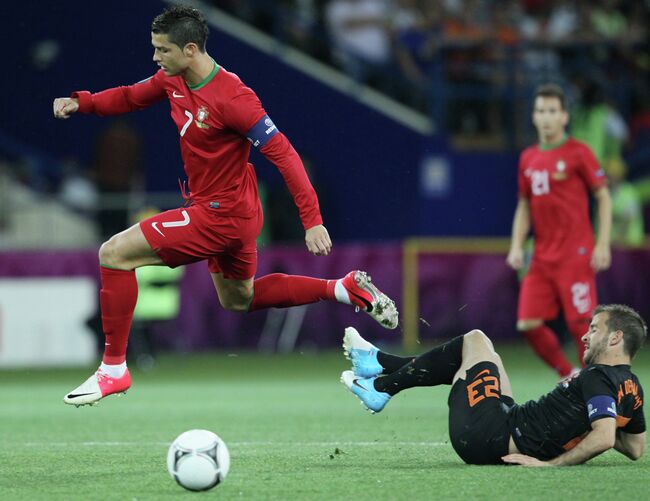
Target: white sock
x=356, y=341
x=341, y=293
x=113, y=370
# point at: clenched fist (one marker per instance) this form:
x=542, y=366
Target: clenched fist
x=63, y=107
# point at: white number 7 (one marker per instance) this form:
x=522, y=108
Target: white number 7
x=190, y=117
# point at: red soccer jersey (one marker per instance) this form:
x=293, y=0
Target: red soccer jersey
x=217, y=120
x=556, y=183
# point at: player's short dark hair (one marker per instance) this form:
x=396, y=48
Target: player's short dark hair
x=625, y=319
x=182, y=25
x=552, y=90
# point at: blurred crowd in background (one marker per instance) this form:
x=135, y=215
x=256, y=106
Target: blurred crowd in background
x=471, y=65
x=480, y=55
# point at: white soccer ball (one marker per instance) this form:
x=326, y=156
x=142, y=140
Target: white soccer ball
x=198, y=460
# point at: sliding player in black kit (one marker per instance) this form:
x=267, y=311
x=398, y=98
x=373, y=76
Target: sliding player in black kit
x=598, y=409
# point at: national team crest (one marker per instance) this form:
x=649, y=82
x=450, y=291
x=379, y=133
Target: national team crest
x=560, y=173
x=201, y=117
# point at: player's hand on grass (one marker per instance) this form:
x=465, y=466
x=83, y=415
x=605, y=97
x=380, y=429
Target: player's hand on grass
x=524, y=460
x=601, y=258
x=65, y=106
x=515, y=258
x=318, y=240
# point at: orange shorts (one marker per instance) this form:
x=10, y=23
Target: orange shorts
x=194, y=233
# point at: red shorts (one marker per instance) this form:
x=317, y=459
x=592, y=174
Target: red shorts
x=547, y=288
x=190, y=234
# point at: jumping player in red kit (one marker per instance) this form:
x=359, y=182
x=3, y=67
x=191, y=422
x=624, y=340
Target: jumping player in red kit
x=555, y=179
x=218, y=119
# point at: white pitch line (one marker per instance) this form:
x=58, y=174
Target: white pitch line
x=238, y=444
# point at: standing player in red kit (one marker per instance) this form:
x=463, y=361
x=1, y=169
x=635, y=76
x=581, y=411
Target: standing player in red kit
x=218, y=118
x=555, y=179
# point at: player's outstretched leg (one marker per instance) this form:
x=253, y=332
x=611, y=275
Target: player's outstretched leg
x=435, y=367
x=365, y=296
x=278, y=290
x=361, y=353
x=98, y=386
x=364, y=389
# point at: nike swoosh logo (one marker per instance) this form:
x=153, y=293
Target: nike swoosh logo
x=354, y=382
x=484, y=371
x=154, y=225
x=172, y=224
x=363, y=300
x=177, y=95
x=75, y=395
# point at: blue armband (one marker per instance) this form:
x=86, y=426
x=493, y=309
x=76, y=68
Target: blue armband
x=601, y=406
x=262, y=132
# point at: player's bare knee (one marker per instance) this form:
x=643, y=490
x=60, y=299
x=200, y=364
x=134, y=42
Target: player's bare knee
x=110, y=255
x=477, y=337
x=107, y=254
x=237, y=304
x=476, y=345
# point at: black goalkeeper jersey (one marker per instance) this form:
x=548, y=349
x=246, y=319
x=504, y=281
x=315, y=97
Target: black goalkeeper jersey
x=557, y=421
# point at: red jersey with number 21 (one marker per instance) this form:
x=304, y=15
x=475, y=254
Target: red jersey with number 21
x=556, y=182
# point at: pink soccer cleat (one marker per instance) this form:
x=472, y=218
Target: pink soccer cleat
x=96, y=387
x=365, y=296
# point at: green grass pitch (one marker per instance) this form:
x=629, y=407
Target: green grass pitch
x=293, y=431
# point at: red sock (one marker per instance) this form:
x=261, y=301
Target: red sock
x=547, y=346
x=281, y=291
x=117, y=299
x=577, y=330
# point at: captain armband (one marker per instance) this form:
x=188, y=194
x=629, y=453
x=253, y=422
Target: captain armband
x=262, y=132
x=601, y=406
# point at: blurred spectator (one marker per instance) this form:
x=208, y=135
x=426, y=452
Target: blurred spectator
x=596, y=122
x=543, y=29
x=627, y=213
x=465, y=33
x=638, y=156
x=117, y=167
x=264, y=238
x=77, y=190
x=472, y=62
x=416, y=33
x=360, y=39
x=303, y=23
x=607, y=19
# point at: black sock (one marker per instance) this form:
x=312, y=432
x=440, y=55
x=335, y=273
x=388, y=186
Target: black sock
x=432, y=368
x=392, y=363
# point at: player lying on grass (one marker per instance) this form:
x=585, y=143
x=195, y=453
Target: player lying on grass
x=218, y=119
x=597, y=409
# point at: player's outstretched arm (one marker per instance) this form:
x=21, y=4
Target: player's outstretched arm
x=601, y=257
x=520, y=229
x=601, y=438
x=631, y=445
x=63, y=107
x=318, y=240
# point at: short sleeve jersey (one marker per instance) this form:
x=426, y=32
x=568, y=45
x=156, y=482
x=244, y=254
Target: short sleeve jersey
x=557, y=421
x=556, y=182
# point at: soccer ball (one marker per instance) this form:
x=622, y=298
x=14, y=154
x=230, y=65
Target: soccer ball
x=198, y=460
